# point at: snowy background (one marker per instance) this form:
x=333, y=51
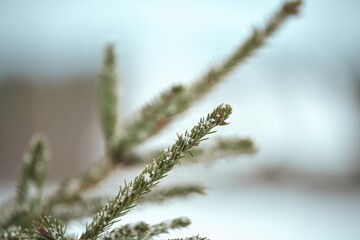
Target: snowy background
x=297, y=98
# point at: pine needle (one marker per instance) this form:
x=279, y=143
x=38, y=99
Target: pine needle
x=160, y=112
x=178, y=191
x=130, y=193
x=107, y=96
x=144, y=231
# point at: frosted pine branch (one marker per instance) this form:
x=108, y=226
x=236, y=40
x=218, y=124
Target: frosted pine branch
x=68, y=201
x=191, y=238
x=108, y=102
x=155, y=116
x=160, y=195
x=130, y=193
x=107, y=96
x=256, y=40
x=47, y=228
x=223, y=148
x=144, y=231
x=150, y=120
x=29, y=188
x=34, y=170
x=12, y=233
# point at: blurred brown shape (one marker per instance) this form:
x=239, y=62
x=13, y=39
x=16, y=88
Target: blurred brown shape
x=65, y=111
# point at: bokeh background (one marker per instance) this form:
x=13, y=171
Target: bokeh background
x=297, y=98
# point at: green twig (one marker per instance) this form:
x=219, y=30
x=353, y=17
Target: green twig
x=34, y=170
x=107, y=96
x=144, y=231
x=178, y=191
x=130, y=193
x=191, y=238
x=155, y=116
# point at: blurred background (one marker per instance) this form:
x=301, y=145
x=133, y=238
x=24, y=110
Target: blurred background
x=298, y=98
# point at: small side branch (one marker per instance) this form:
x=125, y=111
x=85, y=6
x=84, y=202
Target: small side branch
x=160, y=112
x=34, y=170
x=130, y=193
x=107, y=96
x=28, y=202
x=144, y=231
x=191, y=238
x=178, y=191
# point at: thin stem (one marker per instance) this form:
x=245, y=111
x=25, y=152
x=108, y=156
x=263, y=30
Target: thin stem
x=132, y=192
x=157, y=115
x=107, y=96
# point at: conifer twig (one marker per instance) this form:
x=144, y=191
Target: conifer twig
x=191, y=238
x=68, y=202
x=12, y=233
x=222, y=148
x=107, y=96
x=34, y=170
x=108, y=102
x=144, y=231
x=155, y=116
x=150, y=120
x=29, y=189
x=178, y=191
x=47, y=228
x=130, y=193
x=81, y=207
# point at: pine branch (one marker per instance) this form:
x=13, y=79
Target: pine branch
x=144, y=231
x=155, y=116
x=34, y=170
x=81, y=207
x=107, y=96
x=12, y=233
x=28, y=203
x=20, y=214
x=47, y=228
x=7, y=210
x=191, y=238
x=151, y=119
x=69, y=191
x=179, y=191
x=223, y=148
x=73, y=187
x=132, y=192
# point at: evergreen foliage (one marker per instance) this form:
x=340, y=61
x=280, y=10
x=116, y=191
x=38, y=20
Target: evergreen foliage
x=35, y=216
x=107, y=91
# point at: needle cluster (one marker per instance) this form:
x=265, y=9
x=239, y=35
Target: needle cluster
x=33, y=215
